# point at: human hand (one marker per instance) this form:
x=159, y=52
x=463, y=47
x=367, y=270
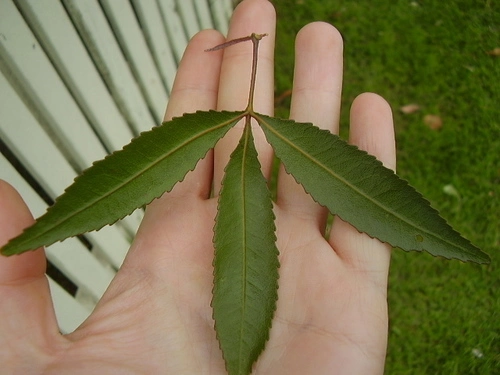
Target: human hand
x=155, y=317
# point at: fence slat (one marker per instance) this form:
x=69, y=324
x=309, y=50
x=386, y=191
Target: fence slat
x=35, y=75
x=132, y=41
x=69, y=313
x=70, y=257
x=218, y=9
x=100, y=41
x=36, y=151
x=188, y=15
x=31, y=144
x=152, y=24
x=204, y=15
x=79, y=79
x=78, y=264
x=54, y=29
x=228, y=8
x=173, y=26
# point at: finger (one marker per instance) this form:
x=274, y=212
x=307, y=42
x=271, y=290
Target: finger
x=251, y=16
x=24, y=290
x=195, y=88
x=371, y=130
x=197, y=79
x=14, y=217
x=315, y=98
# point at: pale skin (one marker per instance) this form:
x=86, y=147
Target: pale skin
x=155, y=318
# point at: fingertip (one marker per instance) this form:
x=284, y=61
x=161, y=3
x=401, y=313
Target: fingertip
x=372, y=127
x=250, y=16
x=371, y=99
x=197, y=79
x=253, y=9
x=206, y=39
x=317, y=83
x=196, y=56
x=329, y=34
x=253, y=16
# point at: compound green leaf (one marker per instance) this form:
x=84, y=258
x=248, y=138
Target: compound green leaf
x=125, y=180
x=246, y=260
x=356, y=187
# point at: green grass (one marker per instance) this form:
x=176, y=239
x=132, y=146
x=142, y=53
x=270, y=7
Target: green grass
x=433, y=53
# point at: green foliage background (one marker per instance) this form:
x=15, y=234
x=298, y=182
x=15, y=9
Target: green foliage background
x=445, y=315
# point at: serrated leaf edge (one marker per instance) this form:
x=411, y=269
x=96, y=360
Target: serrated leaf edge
x=268, y=327
x=238, y=116
x=484, y=258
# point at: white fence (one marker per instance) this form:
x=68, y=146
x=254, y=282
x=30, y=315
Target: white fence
x=79, y=79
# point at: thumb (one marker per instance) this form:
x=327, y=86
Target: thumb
x=14, y=217
x=28, y=318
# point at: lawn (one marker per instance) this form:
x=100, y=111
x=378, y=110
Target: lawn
x=440, y=55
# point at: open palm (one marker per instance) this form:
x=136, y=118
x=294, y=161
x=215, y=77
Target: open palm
x=156, y=318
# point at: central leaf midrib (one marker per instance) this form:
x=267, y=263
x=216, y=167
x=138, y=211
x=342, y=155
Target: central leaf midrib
x=244, y=245
x=345, y=182
x=133, y=177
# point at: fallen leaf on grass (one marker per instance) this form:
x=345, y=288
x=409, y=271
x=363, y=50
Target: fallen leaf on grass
x=451, y=190
x=494, y=52
x=409, y=108
x=433, y=121
x=477, y=353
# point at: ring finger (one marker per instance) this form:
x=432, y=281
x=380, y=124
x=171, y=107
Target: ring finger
x=315, y=98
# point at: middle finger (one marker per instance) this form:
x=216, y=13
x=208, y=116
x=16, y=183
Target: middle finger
x=251, y=16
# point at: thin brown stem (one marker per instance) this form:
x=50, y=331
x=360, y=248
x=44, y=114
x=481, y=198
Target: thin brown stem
x=229, y=43
x=255, y=38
